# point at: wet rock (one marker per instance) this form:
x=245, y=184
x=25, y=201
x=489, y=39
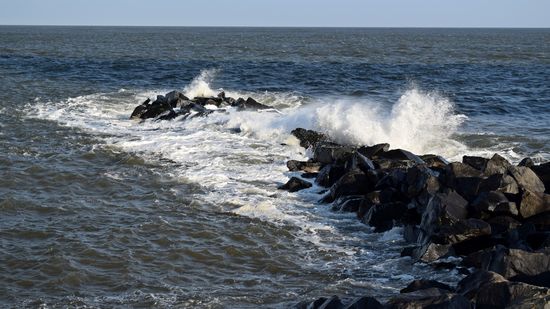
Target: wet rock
x=423, y=284
x=543, y=172
x=348, y=203
x=327, y=153
x=157, y=108
x=444, y=209
x=420, y=179
x=501, y=224
x=308, y=138
x=493, y=203
x=372, y=151
x=499, y=182
x=429, y=298
x=249, y=104
x=383, y=216
x=460, y=231
x=496, y=165
x=359, y=161
x=459, y=170
x=365, y=303
x=491, y=290
x=467, y=187
x=478, y=163
x=399, y=155
x=308, y=167
x=221, y=95
x=527, y=162
x=429, y=252
x=175, y=98
x=533, y=203
x=333, y=302
x=330, y=174
x=526, y=178
x=140, y=110
x=295, y=184
x=352, y=183
x=435, y=161
x=540, y=221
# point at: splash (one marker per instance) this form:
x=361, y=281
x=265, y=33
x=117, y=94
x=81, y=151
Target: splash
x=200, y=85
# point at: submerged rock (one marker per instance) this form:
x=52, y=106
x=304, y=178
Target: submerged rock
x=295, y=184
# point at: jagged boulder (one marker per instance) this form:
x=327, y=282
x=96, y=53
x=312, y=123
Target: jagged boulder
x=423, y=284
x=352, y=183
x=308, y=138
x=533, y=203
x=328, y=153
x=295, y=184
x=249, y=104
x=429, y=298
x=493, y=203
x=496, y=165
x=543, y=171
x=372, y=151
x=330, y=174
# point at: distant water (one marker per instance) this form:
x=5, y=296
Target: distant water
x=100, y=211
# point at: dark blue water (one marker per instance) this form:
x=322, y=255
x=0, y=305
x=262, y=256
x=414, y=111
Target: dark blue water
x=97, y=210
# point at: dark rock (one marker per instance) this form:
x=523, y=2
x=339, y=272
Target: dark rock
x=333, y=302
x=429, y=298
x=491, y=290
x=423, y=284
x=175, y=98
x=387, y=164
x=249, y=104
x=295, y=184
x=308, y=167
x=330, y=174
x=352, y=183
x=372, y=151
x=359, y=161
x=411, y=233
x=364, y=303
x=526, y=178
x=327, y=153
x=308, y=138
x=500, y=224
x=496, y=165
x=533, y=203
x=543, y=171
x=467, y=187
x=460, y=231
x=309, y=175
x=444, y=209
x=156, y=109
x=383, y=216
x=541, y=221
x=395, y=179
x=499, y=182
x=527, y=162
x=348, y=203
x=140, y=110
x=478, y=163
x=419, y=179
x=493, y=203
x=401, y=155
x=435, y=161
x=460, y=170
x=429, y=252
x=221, y=95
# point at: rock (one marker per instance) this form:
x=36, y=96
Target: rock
x=430, y=252
x=514, y=264
x=457, y=169
x=419, y=179
x=372, y=151
x=330, y=174
x=423, y=284
x=435, y=161
x=499, y=182
x=359, y=161
x=353, y=182
x=478, y=163
x=496, y=165
x=533, y=203
x=221, y=95
x=541, y=221
x=501, y=224
x=543, y=171
x=429, y=298
x=526, y=178
x=308, y=138
x=467, y=187
x=308, y=167
x=490, y=290
x=383, y=216
x=175, y=98
x=493, y=203
x=157, y=108
x=364, y=303
x=348, y=203
x=327, y=153
x=400, y=155
x=295, y=184
x=443, y=209
x=333, y=302
x=460, y=231
x=249, y=104
x=527, y=162
x=140, y=110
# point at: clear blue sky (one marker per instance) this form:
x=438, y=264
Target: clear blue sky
x=333, y=13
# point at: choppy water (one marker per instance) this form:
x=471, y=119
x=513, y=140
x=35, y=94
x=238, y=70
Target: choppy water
x=98, y=210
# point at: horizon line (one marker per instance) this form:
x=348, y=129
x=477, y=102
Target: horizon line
x=242, y=26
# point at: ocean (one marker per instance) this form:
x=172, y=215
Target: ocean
x=97, y=210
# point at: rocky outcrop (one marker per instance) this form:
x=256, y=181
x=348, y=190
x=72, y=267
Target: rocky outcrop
x=175, y=104
x=494, y=214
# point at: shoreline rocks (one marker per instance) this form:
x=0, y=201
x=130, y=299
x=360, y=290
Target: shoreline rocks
x=492, y=214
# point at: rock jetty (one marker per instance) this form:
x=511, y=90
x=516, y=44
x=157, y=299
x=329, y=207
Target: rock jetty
x=491, y=213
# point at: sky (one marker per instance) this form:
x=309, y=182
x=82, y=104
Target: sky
x=279, y=13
